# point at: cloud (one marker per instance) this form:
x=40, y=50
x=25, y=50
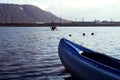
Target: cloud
x=81, y=4
x=90, y=9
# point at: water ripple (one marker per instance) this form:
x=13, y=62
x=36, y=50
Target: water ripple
x=31, y=53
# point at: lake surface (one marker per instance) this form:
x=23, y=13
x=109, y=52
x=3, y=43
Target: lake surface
x=32, y=53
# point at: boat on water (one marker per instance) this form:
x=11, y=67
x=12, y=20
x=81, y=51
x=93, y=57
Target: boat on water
x=85, y=64
x=53, y=28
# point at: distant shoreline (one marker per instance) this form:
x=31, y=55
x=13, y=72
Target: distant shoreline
x=75, y=24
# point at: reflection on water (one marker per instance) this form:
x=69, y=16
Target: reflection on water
x=31, y=53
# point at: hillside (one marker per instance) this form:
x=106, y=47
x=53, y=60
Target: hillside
x=14, y=13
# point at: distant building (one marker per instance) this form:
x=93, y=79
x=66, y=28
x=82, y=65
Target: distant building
x=39, y=22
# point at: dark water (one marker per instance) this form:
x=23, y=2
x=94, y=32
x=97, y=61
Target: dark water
x=32, y=54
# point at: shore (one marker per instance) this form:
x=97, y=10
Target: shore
x=61, y=24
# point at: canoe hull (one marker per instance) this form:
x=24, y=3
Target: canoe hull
x=79, y=67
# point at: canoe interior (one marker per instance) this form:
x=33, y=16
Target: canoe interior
x=101, y=58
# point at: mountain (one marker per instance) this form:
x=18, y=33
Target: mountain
x=14, y=13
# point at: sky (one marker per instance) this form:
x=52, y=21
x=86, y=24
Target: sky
x=89, y=10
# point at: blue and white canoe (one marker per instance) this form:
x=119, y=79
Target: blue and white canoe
x=85, y=64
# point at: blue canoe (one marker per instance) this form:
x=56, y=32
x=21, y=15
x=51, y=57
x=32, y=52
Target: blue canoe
x=85, y=64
